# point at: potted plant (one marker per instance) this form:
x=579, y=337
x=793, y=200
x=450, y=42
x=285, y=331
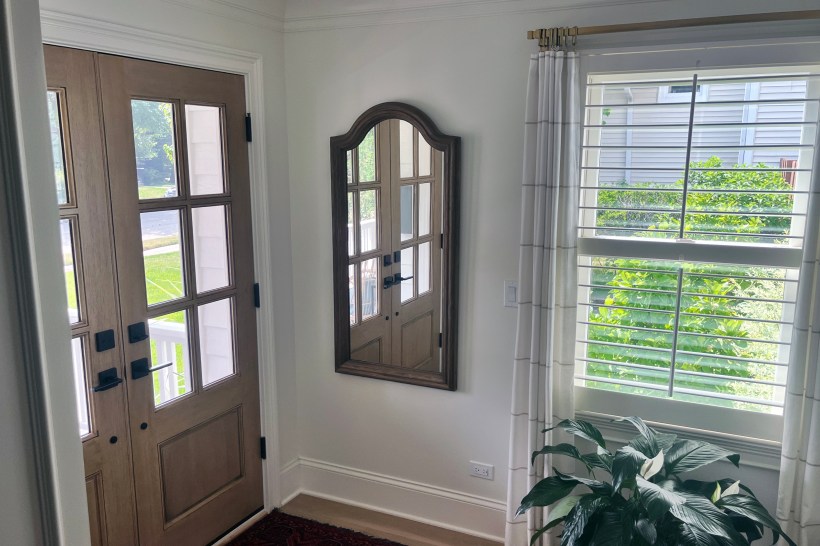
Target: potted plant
x=647, y=502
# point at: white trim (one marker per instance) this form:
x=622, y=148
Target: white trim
x=259, y=15
x=103, y=36
x=465, y=513
x=374, y=13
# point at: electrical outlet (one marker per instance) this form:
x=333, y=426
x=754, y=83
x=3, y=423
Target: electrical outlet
x=510, y=293
x=481, y=470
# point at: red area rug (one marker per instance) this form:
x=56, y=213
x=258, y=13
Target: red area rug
x=280, y=529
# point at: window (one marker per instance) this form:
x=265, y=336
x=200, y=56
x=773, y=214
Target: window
x=690, y=237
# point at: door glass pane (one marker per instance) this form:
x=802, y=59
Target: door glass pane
x=162, y=255
x=210, y=247
x=368, y=230
x=424, y=209
x=367, y=157
x=407, y=273
x=351, y=290
x=70, y=269
x=216, y=340
x=406, y=206
x=80, y=386
x=57, y=147
x=370, y=288
x=405, y=150
x=154, y=147
x=169, y=344
x=351, y=232
x=424, y=157
x=349, y=166
x=203, y=127
x=424, y=267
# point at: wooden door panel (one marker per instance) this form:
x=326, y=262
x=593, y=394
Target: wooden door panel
x=71, y=74
x=196, y=471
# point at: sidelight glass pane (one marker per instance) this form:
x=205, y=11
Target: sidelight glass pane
x=203, y=127
x=169, y=344
x=405, y=150
x=80, y=386
x=349, y=171
x=424, y=209
x=424, y=267
x=370, y=288
x=351, y=231
x=70, y=270
x=210, y=247
x=155, y=148
x=162, y=255
x=351, y=291
x=406, y=206
x=57, y=147
x=367, y=157
x=425, y=157
x=407, y=273
x=216, y=340
x=368, y=228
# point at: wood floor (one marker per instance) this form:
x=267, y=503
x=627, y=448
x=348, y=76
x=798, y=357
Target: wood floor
x=376, y=524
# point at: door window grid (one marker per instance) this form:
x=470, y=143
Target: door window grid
x=683, y=361
x=178, y=326
x=364, y=229
x=79, y=346
x=60, y=142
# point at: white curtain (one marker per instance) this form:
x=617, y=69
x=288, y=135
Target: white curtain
x=798, y=499
x=547, y=289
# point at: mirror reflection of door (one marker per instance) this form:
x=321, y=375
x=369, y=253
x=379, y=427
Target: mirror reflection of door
x=394, y=248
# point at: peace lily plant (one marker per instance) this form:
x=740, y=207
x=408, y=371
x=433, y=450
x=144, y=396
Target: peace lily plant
x=647, y=502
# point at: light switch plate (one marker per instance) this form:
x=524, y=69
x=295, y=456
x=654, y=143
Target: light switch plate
x=510, y=294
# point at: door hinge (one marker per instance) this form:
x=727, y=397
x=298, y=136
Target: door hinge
x=263, y=448
x=439, y=340
x=248, y=128
x=257, y=301
x=442, y=240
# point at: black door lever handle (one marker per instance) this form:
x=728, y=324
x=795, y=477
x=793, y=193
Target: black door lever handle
x=107, y=380
x=397, y=278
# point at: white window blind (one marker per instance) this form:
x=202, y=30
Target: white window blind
x=691, y=231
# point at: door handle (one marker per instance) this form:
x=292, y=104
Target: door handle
x=107, y=380
x=136, y=332
x=141, y=368
x=397, y=278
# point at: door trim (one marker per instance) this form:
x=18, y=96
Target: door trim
x=66, y=30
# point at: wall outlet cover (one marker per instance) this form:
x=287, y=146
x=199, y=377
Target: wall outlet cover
x=482, y=470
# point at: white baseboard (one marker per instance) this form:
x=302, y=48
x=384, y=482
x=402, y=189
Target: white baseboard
x=416, y=501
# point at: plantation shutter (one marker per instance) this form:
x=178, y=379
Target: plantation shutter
x=694, y=200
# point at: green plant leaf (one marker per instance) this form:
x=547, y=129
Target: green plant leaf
x=625, y=465
x=692, y=536
x=582, y=429
x=705, y=488
x=686, y=455
x=750, y=507
x=576, y=521
x=557, y=514
x=655, y=499
x=699, y=512
x=598, y=460
x=561, y=449
x=546, y=492
x=647, y=530
x=642, y=427
x=716, y=494
x=610, y=530
x=598, y=487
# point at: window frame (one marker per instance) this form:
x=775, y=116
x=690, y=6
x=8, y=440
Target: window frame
x=758, y=427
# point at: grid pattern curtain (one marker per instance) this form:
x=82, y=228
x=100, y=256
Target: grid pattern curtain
x=545, y=340
x=798, y=499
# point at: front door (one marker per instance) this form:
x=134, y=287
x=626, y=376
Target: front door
x=175, y=211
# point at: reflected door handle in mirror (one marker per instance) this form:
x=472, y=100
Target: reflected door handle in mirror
x=141, y=368
x=388, y=282
x=397, y=278
x=387, y=260
x=108, y=379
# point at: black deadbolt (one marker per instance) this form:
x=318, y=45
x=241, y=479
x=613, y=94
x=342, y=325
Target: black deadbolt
x=113, y=439
x=137, y=333
x=143, y=426
x=104, y=340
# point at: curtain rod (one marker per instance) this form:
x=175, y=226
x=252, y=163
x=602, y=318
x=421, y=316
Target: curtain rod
x=558, y=34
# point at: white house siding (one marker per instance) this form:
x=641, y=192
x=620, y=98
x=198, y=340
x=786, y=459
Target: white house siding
x=626, y=165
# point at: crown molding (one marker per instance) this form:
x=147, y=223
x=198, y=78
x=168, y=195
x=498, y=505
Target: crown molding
x=307, y=15
x=268, y=14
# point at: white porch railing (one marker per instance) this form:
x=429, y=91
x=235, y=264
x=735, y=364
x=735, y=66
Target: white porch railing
x=175, y=380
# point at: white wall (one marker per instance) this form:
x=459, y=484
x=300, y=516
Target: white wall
x=466, y=67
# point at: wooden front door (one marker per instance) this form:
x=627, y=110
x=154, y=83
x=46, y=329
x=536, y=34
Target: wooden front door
x=174, y=212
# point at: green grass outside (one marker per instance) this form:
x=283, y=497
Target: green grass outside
x=153, y=192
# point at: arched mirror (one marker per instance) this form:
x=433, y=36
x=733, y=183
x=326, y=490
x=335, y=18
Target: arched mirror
x=395, y=183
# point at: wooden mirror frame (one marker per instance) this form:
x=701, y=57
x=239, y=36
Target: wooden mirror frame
x=450, y=146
